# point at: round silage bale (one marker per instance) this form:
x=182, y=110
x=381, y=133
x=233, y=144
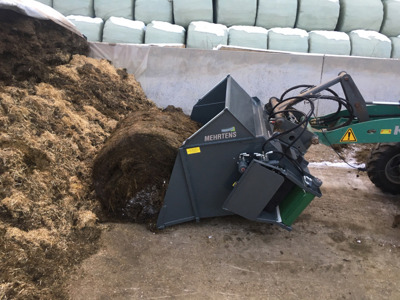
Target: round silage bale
x=74, y=7
x=132, y=170
x=121, y=30
x=153, y=10
x=236, y=12
x=92, y=28
x=165, y=33
x=395, y=47
x=370, y=43
x=46, y=2
x=360, y=14
x=195, y=10
x=288, y=39
x=318, y=14
x=248, y=36
x=329, y=42
x=276, y=13
x=391, y=19
x=205, y=35
x=105, y=9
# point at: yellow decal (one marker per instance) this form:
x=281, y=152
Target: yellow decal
x=349, y=136
x=386, y=131
x=193, y=150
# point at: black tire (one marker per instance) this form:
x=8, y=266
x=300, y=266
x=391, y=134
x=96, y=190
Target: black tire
x=383, y=167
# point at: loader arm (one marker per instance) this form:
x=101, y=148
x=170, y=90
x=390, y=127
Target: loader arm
x=372, y=123
x=362, y=123
x=383, y=126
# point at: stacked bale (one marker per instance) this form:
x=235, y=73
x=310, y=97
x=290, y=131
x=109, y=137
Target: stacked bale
x=329, y=42
x=92, y=28
x=395, y=47
x=153, y=10
x=288, y=39
x=158, y=32
x=360, y=14
x=248, y=36
x=391, y=20
x=276, y=13
x=236, y=12
x=204, y=35
x=120, y=30
x=326, y=21
x=370, y=43
x=105, y=9
x=46, y=2
x=325, y=18
x=194, y=10
x=74, y=7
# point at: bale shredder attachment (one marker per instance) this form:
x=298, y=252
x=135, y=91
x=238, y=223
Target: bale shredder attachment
x=240, y=162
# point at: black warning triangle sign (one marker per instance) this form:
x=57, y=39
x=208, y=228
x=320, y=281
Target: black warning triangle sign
x=349, y=136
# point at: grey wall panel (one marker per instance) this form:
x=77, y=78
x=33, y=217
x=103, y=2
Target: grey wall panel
x=182, y=76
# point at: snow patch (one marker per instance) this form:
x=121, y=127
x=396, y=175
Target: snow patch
x=350, y=165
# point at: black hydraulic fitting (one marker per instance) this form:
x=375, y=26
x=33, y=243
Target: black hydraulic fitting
x=242, y=166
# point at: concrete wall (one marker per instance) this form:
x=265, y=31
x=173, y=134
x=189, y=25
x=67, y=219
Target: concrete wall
x=181, y=76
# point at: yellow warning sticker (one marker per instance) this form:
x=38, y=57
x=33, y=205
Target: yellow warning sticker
x=349, y=136
x=386, y=131
x=193, y=150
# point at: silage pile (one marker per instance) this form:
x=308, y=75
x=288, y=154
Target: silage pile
x=57, y=107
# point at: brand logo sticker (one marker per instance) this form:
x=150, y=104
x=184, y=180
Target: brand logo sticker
x=226, y=133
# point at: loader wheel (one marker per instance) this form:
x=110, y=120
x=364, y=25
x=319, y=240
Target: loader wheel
x=383, y=167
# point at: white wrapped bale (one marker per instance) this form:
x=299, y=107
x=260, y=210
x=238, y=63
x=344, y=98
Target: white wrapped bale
x=276, y=13
x=204, y=35
x=46, y=2
x=236, y=12
x=288, y=39
x=370, y=43
x=120, y=30
x=329, y=42
x=395, y=47
x=105, y=9
x=391, y=20
x=318, y=14
x=74, y=7
x=248, y=36
x=360, y=14
x=158, y=32
x=92, y=28
x=153, y=10
x=195, y=10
